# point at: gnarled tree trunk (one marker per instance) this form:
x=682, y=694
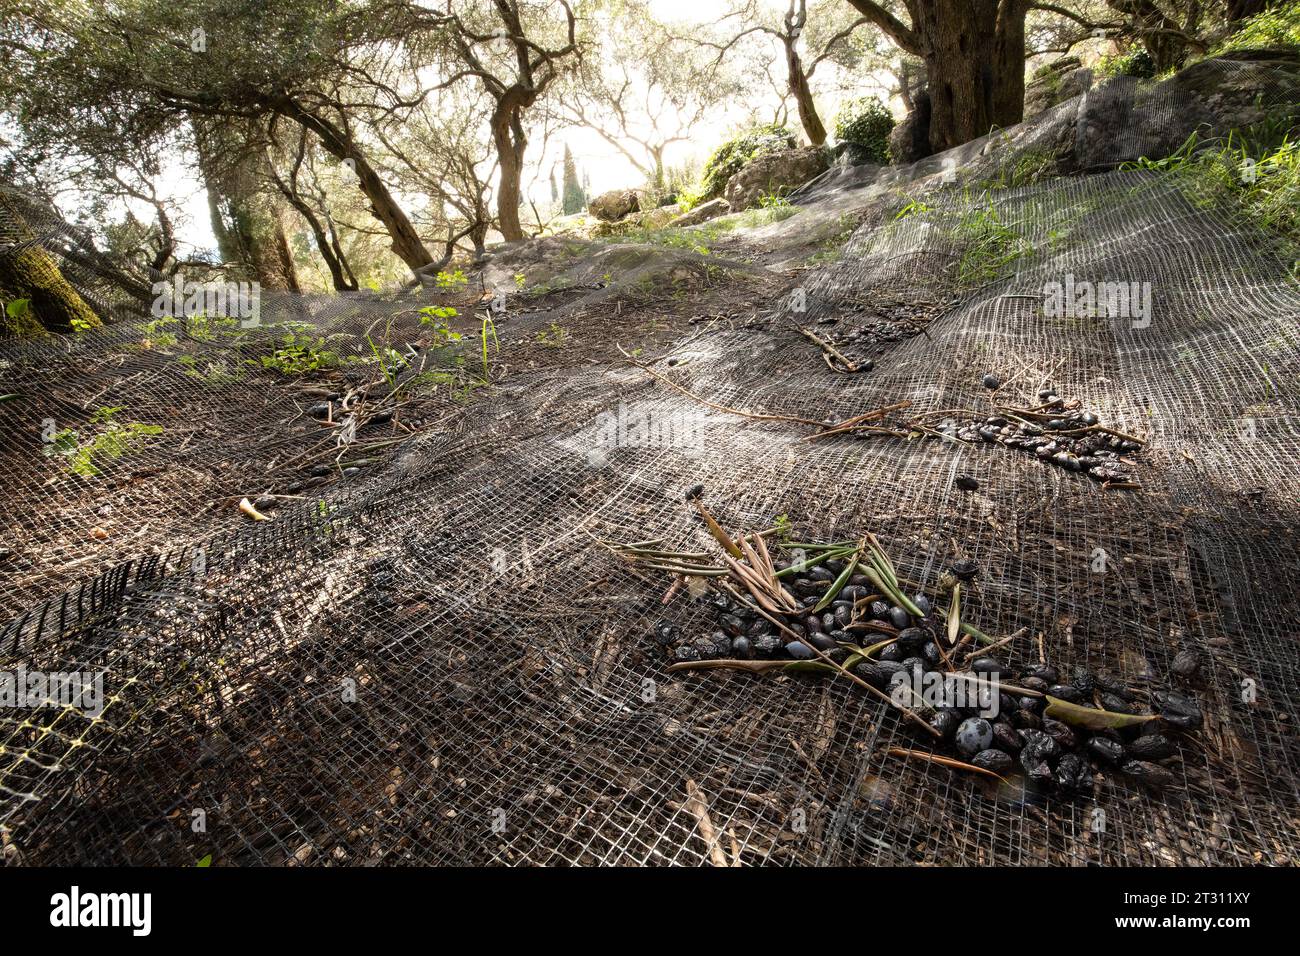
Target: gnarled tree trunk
x=974, y=53
x=812, y=124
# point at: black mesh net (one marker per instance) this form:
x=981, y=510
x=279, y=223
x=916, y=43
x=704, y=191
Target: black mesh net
x=425, y=655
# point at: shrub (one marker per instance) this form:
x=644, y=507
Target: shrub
x=733, y=155
x=866, y=122
x=1279, y=27
x=1136, y=62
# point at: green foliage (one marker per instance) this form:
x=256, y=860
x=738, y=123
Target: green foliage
x=774, y=200
x=1025, y=169
x=452, y=281
x=158, y=332
x=300, y=351
x=1136, y=62
x=111, y=440
x=1279, y=27
x=990, y=244
x=552, y=337
x=1257, y=169
x=866, y=122
x=733, y=155
x=437, y=315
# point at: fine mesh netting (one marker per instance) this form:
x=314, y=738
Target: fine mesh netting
x=431, y=659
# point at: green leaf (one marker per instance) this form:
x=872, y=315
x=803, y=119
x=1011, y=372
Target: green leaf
x=1091, y=717
x=954, y=615
x=206, y=861
x=837, y=584
x=18, y=308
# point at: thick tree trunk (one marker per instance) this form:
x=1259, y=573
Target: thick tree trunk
x=974, y=54
x=802, y=93
x=975, y=62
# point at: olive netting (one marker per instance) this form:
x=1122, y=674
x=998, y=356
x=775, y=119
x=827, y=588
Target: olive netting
x=430, y=659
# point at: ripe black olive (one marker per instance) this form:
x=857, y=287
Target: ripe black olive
x=973, y=735
x=994, y=760
x=889, y=669
x=899, y=618
x=666, y=633
x=1082, y=681
x=992, y=381
x=1072, y=773
x=823, y=642
x=732, y=624
x=799, y=650
x=1026, y=720
x=1044, y=672
x=1060, y=732
x=871, y=672
x=964, y=568
x=1037, y=751
x=1068, y=693
x=1186, y=663
x=986, y=665
x=740, y=646
x=1152, y=747
x=892, y=653
x=945, y=720
x=967, y=483
x=1150, y=774
x=1179, y=710
x=1114, y=703
x=1006, y=737
x=1106, y=748
x=912, y=638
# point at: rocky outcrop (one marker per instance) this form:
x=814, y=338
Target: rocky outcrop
x=774, y=173
x=614, y=205
x=1055, y=83
x=703, y=213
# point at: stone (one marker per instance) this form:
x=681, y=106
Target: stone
x=614, y=205
x=774, y=173
x=702, y=213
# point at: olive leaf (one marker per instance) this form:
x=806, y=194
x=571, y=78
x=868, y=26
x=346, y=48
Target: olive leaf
x=837, y=585
x=1090, y=717
x=954, y=615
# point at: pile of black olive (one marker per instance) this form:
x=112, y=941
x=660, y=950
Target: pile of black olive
x=1051, y=752
x=1094, y=453
x=743, y=634
x=860, y=341
x=1048, y=751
